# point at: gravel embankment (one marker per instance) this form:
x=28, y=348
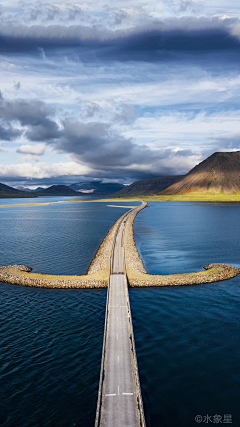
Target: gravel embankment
x=98, y=272
x=21, y=275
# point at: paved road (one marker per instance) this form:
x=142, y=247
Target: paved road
x=119, y=405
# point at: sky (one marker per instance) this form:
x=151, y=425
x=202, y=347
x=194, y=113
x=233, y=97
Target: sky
x=118, y=91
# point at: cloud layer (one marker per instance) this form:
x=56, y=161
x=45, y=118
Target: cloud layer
x=150, y=41
x=123, y=92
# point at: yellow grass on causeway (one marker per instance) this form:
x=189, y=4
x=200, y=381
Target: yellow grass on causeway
x=100, y=275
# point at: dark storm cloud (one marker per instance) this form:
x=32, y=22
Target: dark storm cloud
x=8, y=133
x=153, y=42
x=21, y=38
x=109, y=154
x=97, y=145
x=44, y=131
x=106, y=153
x=26, y=112
x=33, y=115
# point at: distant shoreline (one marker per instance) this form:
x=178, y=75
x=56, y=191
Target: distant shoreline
x=201, y=198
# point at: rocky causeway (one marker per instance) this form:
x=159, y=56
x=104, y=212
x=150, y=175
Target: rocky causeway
x=98, y=271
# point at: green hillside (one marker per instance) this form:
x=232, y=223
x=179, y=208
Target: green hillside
x=10, y=192
x=57, y=190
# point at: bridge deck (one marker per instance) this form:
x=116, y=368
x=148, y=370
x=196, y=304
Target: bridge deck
x=120, y=403
x=118, y=394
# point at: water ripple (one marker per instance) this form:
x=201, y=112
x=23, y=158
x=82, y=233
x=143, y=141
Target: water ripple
x=187, y=338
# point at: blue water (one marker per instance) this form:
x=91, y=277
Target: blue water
x=187, y=338
x=51, y=343
x=50, y=339
x=61, y=238
x=41, y=199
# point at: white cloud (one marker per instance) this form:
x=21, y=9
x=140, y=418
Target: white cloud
x=37, y=150
x=42, y=170
x=184, y=130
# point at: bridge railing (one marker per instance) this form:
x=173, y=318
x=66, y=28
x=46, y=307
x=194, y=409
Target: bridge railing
x=98, y=410
x=134, y=362
x=142, y=422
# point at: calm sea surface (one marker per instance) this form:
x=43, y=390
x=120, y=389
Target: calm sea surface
x=187, y=338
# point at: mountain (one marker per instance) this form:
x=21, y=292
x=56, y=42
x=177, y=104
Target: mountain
x=7, y=192
x=97, y=188
x=28, y=189
x=37, y=189
x=148, y=187
x=56, y=190
x=219, y=173
x=22, y=188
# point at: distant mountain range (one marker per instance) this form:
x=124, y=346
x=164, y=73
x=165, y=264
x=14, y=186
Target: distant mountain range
x=28, y=189
x=97, y=187
x=219, y=173
x=56, y=190
x=9, y=192
x=148, y=187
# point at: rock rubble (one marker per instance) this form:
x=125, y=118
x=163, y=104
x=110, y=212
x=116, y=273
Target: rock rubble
x=98, y=271
x=20, y=275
